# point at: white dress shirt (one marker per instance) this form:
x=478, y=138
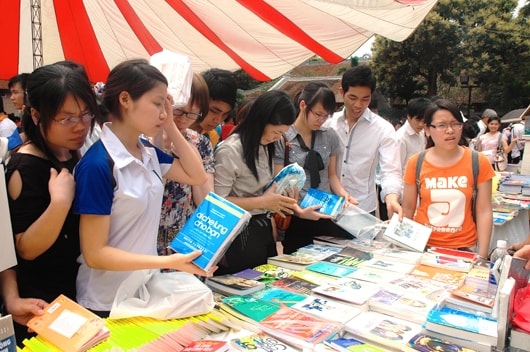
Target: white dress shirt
x=410, y=142
x=370, y=141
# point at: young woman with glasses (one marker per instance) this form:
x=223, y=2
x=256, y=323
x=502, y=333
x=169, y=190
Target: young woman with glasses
x=446, y=185
x=315, y=149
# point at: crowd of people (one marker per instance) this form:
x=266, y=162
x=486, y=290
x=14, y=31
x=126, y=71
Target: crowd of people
x=100, y=185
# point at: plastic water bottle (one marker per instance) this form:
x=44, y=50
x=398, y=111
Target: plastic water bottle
x=496, y=264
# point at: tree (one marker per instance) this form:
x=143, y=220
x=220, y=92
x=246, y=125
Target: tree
x=479, y=37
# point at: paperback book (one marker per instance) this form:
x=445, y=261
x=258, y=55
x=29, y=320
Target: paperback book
x=427, y=343
x=330, y=269
x=451, y=252
x=212, y=227
x=330, y=204
x=374, y=276
x=450, y=278
x=327, y=309
x=420, y=287
x=345, y=344
x=462, y=324
x=377, y=264
x=69, y=326
x=278, y=296
x=382, y=329
x=249, y=309
x=407, y=234
x=318, y=248
x=207, y=346
x=260, y=342
x=295, y=261
x=401, y=305
x=398, y=254
x=446, y=262
x=233, y=285
x=295, y=285
x=299, y=329
x=8, y=342
x=291, y=176
x=348, y=290
x=472, y=297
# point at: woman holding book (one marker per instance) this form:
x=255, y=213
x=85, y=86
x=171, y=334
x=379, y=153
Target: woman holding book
x=316, y=149
x=119, y=185
x=58, y=115
x=492, y=141
x=243, y=167
x=446, y=185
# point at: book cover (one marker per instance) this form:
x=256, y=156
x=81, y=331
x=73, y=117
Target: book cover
x=289, y=177
x=344, y=344
x=472, y=345
x=379, y=264
x=374, y=276
x=246, y=307
x=8, y=343
x=327, y=309
x=471, y=296
x=271, y=272
x=294, y=284
x=233, y=285
x=318, y=248
x=451, y=278
x=349, y=290
x=398, y=254
x=345, y=261
x=359, y=223
x=212, y=227
x=278, y=296
x=401, y=305
x=297, y=328
x=382, y=329
x=207, y=346
x=450, y=252
x=294, y=261
x=462, y=324
x=446, y=262
x=329, y=203
x=407, y=233
x=428, y=343
x=313, y=277
x=250, y=274
x=69, y=326
x=419, y=286
x=330, y=269
x=260, y=342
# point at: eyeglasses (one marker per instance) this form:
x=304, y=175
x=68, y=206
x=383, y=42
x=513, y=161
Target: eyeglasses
x=189, y=115
x=442, y=127
x=320, y=117
x=73, y=120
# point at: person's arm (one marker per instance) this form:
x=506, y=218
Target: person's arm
x=524, y=253
x=200, y=192
x=93, y=233
x=508, y=147
x=410, y=199
x=519, y=245
x=484, y=218
x=43, y=233
x=187, y=167
x=269, y=200
x=21, y=309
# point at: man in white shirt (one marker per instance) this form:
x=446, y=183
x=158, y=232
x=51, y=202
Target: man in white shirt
x=517, y=132
x=367, y=139
x=411, y=136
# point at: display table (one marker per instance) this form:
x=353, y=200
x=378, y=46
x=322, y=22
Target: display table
x=513, y=231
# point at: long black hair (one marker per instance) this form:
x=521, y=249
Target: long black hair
x=273, y=107
x=47, y=89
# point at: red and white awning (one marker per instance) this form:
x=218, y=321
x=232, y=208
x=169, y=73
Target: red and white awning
x=266, y=38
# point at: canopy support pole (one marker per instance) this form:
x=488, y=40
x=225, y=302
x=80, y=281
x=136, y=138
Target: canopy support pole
x=36, y=33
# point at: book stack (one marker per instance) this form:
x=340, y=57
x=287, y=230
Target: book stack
x=233, y=285
x=476, y=294
x=514, y=183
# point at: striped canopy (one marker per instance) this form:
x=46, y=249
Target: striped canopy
x=266, y=38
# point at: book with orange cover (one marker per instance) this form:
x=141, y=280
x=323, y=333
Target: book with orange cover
x=69, y=326
x=299, y=329
x=450, y=278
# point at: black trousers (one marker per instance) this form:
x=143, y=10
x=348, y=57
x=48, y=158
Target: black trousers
x=301, y=232
x=251, y=247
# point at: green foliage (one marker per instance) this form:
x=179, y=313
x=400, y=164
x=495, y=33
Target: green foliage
x=479, y=37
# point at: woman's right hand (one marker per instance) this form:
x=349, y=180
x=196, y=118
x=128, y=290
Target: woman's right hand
x=278, y=203
x=61, y=187
x=311, y=213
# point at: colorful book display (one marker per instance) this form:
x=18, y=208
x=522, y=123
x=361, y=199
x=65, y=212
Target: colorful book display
x=212, y=228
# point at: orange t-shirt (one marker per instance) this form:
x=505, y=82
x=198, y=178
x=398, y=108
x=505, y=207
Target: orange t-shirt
x=445, y=202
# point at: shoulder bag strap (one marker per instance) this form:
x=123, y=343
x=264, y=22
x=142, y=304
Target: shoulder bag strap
x=419, y=163
x=475, y=168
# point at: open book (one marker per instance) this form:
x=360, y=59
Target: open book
x=69, y=326
x=212, y=228
x=407, y=234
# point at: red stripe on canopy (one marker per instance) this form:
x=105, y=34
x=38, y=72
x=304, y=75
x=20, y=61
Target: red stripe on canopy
x=149, y=42
x=284, y=25
x=9, y=27
x=73, y=23
x=202, y=28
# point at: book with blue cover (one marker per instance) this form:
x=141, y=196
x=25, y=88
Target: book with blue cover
x=291, y=176
x=212, y=228
x=462, y=324
x=329, y=203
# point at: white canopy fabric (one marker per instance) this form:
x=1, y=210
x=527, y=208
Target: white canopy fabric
x=266, y=38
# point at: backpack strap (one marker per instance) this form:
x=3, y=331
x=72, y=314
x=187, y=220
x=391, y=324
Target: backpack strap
x=419, y=163
x=475, y=169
